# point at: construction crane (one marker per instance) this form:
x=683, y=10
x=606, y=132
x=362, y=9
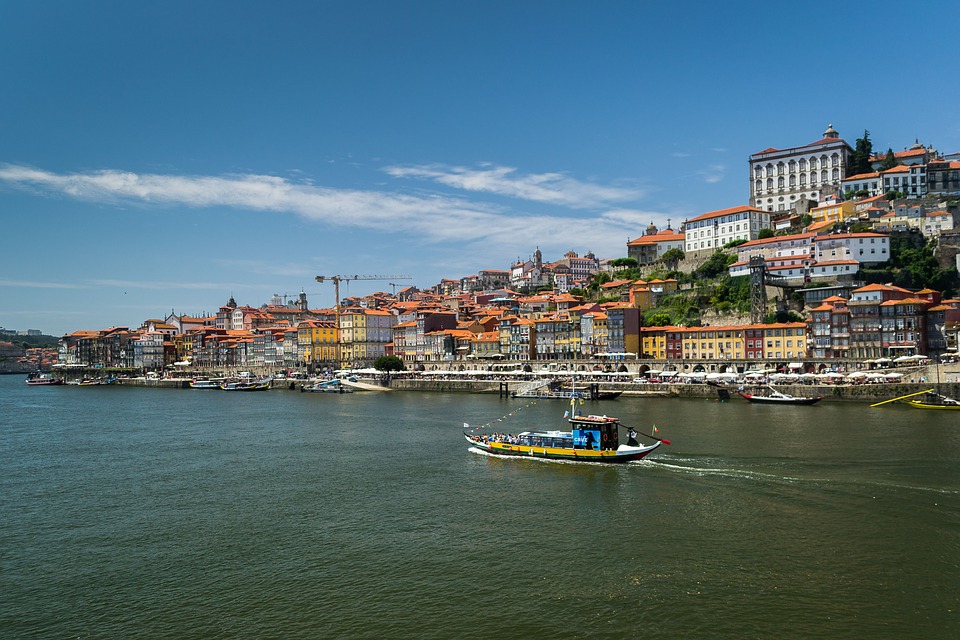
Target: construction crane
x=336, y=280
x=760, y=279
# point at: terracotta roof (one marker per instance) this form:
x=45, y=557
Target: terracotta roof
x=725, y=212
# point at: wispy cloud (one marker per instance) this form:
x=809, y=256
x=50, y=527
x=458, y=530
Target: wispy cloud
x=431, y=218
x=713, y=174
x=549, y=188
x=33, y=284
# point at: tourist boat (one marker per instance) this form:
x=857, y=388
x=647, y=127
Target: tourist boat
x=590, y=439
x=245, y=385
x=777, y=397
x=205, y=383
x=39, y=379
x=328, y=386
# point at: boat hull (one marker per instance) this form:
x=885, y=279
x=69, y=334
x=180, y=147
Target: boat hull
x=623, y=453
x=775, y=400
x=919, y=404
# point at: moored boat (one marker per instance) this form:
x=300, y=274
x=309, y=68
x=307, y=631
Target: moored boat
x=245, y=385
x=203, y=383
x=328, y=386
x=591, y=438
x=935, y=400
x=778, y=397
x=41, y=379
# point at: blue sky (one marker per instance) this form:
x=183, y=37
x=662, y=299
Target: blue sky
x=159, y=156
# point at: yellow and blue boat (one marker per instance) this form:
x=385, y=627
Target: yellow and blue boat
x=590, y=439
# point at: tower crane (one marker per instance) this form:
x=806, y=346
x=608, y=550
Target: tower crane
x=336, y=280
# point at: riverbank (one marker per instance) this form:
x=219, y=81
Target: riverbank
x=865, y=393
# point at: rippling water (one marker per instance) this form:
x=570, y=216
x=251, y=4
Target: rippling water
x=130, y=512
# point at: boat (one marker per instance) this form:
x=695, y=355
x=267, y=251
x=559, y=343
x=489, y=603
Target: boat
x=39, y=379
x=93, y=382
x=935, y=400
x=328, y=386
x=778, y=397
x=205, y=383
x=591, y=438
x=245, y=385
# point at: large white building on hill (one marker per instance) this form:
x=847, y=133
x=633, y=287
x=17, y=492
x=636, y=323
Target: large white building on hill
x=787, y=179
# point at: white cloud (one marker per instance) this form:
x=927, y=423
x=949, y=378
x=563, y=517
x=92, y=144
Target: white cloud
x=427, y=218
x=549, y=188
x=713, y=174
x=33, y=284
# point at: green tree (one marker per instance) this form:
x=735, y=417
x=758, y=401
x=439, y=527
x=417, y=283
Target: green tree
x=860, y=160
x=657, y=319
x=389, y=363
x=889, y=161
x=765, y=233
x=715, y=266
x=672, y=257
x=629, y=263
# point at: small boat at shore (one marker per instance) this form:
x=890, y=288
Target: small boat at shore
x=245, y=385
x=328, y=386
x=935, y=400
x=778, y=397
x=41, y=379
x=205, y=383
x=590, y=438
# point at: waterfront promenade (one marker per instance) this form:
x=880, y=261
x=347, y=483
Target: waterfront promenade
x=914, y=381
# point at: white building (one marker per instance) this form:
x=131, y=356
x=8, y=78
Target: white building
x=806, y=256
x=710, y=231
x=869, y=248
x=782, y=178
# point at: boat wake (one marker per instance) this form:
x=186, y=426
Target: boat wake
x=761, y=476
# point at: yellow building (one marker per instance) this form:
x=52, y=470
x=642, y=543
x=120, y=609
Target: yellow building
x=785, y=341
x=318, y=341
x=712, y=343
x=836, y=212
x=653, y=342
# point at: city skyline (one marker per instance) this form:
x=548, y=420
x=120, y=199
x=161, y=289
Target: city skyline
x=167, y=157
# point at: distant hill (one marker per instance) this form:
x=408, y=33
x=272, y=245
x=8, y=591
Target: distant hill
x=29, y=342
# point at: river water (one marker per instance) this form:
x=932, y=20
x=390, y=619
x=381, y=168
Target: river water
x=162, y=513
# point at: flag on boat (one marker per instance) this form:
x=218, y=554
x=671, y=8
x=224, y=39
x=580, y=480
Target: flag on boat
x=466, y=426
x=566, y=414
x=655, y=428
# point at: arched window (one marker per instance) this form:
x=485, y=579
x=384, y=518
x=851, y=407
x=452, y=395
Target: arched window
x=823, y=176
x=836, y=174
x=835, y=160
x=769, y=169
x=792, y=166
x=803, y=164
x=780, y=169
x=793, y=180
x=780, y=182
x=759, y=186
x=803, y=179
x=769, y=183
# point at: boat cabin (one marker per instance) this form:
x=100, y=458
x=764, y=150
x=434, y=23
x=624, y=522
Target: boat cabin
x=595, y=432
